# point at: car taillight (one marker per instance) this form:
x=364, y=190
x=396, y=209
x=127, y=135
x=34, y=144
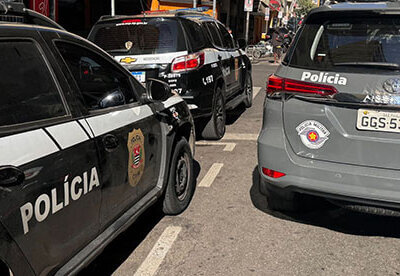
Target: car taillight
x=277, y=84
x=272, y=173
x=187, y=63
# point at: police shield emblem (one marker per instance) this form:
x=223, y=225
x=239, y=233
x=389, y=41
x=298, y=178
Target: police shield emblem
x=128, y=45
x=136, y=156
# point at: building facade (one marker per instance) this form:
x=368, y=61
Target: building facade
x=78, y=16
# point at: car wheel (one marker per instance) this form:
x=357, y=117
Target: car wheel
x=248, y=90
x=257, y=54
x=181, y=184
x=215, y=127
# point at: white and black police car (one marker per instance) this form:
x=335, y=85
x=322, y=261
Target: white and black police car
x=191, y=51
x=85, y=148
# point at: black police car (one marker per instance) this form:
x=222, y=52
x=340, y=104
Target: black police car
x=192, y=51
x=84, y=147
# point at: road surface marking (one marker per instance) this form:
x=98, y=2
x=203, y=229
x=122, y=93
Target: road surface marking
x=240, y=136
x=211, y=175
x=157, y=254
x=256, y=90
x=228, y=146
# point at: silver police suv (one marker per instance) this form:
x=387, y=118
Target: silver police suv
x=331, y=116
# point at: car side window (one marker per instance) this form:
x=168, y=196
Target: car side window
x=28, y=90
x=102, y=85
x=226, y=37
x=195, y=35
x=214, y=33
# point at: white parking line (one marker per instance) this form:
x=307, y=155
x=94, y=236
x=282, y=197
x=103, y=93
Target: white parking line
x=156, y=256
x=228, y=146
x=240, y=136
x=212, y=173
x=256, y=90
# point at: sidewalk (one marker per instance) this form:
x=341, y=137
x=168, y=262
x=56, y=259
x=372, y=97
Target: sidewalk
x=264, y=60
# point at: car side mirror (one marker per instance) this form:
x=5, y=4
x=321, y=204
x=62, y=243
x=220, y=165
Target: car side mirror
x=242, y=43
x=157, y=90
x=115, y=98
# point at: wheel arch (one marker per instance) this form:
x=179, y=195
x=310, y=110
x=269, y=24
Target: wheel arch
x=184, y=130
x=247, y=62
x=220, y=83
x=5, y=269
x=11, y=257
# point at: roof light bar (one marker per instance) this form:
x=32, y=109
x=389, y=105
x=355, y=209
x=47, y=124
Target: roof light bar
x=200, y=9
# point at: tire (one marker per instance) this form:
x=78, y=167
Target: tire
x=181, y=184
x=248, y=90
x=257, y=54
x=281, y=200
x=215, y=127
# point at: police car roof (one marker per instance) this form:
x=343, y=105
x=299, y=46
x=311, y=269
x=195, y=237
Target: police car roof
x=39, y=28
x=363, y=6
x=190, y=15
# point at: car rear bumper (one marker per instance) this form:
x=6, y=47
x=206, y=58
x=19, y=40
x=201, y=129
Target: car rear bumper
x=308, y=175
x=199, y=102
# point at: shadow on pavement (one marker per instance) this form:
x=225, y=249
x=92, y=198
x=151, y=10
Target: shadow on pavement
x=233, y=115
x=119, y=250
x=329, y=216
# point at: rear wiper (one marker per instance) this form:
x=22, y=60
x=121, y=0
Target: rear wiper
x=118, y=51
x=379, y=65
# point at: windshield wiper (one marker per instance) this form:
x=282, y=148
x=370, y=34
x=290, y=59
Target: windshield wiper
x=379, y=65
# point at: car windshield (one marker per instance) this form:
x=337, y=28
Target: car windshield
x=358, y=42
x=140, y=36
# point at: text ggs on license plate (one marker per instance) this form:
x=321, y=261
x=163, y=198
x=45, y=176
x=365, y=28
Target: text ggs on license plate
x=385, y=121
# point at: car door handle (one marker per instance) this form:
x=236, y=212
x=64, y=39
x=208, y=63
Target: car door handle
x=110, y=142
x=11, y=176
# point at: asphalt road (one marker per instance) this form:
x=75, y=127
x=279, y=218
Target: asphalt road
x=229, y=230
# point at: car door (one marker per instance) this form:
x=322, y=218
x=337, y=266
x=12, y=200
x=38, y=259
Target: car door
x=54, y=211
x=127, y=133
x=235, y=60
x=223, y=56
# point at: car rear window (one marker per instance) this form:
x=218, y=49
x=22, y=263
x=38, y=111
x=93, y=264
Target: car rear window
x=140, y=36
x=360, y=42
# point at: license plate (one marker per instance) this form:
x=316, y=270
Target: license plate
x=385, y=121
x=140, y=76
